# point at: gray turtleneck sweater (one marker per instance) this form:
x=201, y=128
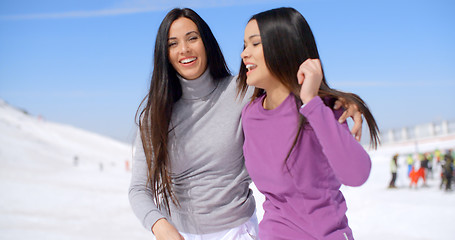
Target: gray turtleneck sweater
x=209, y=176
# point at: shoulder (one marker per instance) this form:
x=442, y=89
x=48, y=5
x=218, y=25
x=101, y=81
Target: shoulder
x=251, y=105
x=229, y=81
x=226, y=85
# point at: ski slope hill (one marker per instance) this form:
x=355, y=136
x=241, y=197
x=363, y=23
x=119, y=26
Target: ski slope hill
x=51, y=144
x=47, y=194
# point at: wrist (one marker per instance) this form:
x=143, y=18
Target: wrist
x=306, y=100
x=157, y=224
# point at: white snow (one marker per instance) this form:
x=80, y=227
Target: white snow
x=44, y=195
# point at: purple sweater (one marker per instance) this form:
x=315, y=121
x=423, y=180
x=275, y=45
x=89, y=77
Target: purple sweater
x=302, y=200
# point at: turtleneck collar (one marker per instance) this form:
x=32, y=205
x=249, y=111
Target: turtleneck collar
x=197, y=88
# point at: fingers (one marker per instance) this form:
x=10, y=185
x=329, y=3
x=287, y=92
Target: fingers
x=352, y=111
x=357, y=128
x=309, y=66
x=340, y=102
x=343, y=102
x=309, y=76
x=300, y=77
x=343, y=116
x=337, y=105
x=301, y=73
x=358, y=134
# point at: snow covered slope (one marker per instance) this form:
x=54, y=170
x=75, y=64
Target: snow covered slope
x=425, y=213
x=46, y=194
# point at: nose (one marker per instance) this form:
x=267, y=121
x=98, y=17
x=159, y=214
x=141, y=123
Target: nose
x=184, y=48
x=245, y=53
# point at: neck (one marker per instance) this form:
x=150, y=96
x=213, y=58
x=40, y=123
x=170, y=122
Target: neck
x=275, y=96
x=197, y=88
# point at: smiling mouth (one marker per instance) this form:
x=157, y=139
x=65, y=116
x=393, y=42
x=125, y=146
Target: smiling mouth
x=250, y=67
x=187, y=60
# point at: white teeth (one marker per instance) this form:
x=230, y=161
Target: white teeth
x=187, y=60
x=249, y=66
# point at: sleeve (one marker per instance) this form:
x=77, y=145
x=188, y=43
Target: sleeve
x=140, y=195
x=348, y=159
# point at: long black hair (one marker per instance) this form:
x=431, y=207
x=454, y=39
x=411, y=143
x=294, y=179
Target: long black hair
x=288, y=41
x=165, y=89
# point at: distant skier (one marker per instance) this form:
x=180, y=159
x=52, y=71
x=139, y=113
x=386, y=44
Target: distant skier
x=448, y=170
x=415, y=175
x=410, y=162
x=430, y=158
x=393, y=170
x=424, y=168
x=75, y=160
x=437, y=155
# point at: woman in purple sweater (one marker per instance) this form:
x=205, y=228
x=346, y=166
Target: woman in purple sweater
x=296, y=152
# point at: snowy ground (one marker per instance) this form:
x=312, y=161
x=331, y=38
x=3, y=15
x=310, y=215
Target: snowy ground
x=375, y=212
x=45, y=195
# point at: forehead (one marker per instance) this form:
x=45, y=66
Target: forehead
x=251, y=28
x=181, y=27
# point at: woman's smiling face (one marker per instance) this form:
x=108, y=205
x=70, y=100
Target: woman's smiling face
x=258, y=74
x=186, y=49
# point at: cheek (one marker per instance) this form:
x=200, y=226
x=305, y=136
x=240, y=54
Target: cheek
x=204, y=62
x=203, y=53
x=172, y=56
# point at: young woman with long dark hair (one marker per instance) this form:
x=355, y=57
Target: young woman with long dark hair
x=189, y=179
x=188, y=174
x=296, y=152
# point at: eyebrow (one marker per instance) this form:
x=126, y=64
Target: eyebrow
x=188, y=33
x=254, y=35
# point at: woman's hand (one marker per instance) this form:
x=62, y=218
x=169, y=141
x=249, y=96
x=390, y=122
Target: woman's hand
x=163, y=230
x=351, y=111
x=309, y=76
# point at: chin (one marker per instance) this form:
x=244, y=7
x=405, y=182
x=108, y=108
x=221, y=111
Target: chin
x=248, y=82
x=189, y=75
x=251, y=82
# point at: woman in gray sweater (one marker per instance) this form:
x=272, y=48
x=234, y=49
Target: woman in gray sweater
x=189, y=180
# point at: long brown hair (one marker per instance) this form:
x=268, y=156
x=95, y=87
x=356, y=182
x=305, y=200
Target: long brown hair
x=154, y=119
x=287, y=27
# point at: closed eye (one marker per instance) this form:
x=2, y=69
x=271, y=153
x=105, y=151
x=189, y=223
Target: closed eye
x=192, y=39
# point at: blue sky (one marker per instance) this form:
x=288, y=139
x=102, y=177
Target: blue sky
x=87, y=63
